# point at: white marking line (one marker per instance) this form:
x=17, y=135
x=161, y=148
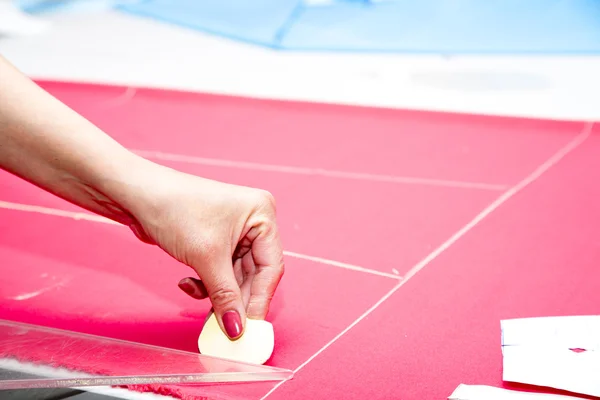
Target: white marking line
x=341, y=265
x=96, y=218
x=318, y=171
x=559, y=155
x=31, y=295
x=123, y=98
x=55, y=212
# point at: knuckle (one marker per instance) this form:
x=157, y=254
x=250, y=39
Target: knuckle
x=281, y=272
x=222, y=297
x=266, y=199
x=267, y=229
x=279, y=265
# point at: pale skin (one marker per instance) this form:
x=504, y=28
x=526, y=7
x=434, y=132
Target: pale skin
x=227, y=234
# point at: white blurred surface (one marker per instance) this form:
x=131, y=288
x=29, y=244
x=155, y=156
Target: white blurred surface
x=15, y=22
x=111, y=47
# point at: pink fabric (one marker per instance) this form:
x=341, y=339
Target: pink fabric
x=536, y=255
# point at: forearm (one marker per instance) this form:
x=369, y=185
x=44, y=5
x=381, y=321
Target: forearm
x=48, y=144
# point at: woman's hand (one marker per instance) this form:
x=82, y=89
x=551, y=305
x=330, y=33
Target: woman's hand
x=228, y=234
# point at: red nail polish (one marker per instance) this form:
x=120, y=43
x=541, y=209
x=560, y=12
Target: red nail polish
x=187, y=287
x=233, y=324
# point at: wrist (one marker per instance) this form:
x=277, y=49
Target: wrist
x=129, y=182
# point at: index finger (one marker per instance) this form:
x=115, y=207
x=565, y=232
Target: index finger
x=267, y=254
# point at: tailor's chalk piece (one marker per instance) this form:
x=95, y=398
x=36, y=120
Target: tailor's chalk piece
x=255, y=346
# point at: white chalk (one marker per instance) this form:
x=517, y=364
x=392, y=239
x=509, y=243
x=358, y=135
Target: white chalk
x=255, y=346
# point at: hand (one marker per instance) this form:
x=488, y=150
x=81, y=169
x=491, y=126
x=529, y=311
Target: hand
x=226, y=233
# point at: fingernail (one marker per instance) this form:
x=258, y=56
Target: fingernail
x=233, y=324
x=187, y=287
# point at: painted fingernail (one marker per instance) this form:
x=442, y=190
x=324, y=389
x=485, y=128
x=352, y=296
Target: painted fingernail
x=187, y=287
x=233, y=324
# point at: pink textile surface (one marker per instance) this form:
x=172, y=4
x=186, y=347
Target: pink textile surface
x=364, y=195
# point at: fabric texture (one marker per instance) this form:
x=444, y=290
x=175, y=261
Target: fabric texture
x=536, y=255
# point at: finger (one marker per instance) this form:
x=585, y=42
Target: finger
x=268, y=260
x=237, y=271
x=248, y=270
x=193, y=287
x=242, y=279
x=224, y=293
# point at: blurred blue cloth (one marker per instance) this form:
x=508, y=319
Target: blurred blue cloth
x=41, y=6
x=255, y=21
x=446, y=26
x=414, y=26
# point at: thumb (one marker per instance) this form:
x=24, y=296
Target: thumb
x=225, y=296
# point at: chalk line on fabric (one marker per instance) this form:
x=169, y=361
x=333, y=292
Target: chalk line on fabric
x=340, y=264
x=121, y=99
x=95, y=218
x=55, y=212
x=539, y=171
x=31, y=295
x=157, y=155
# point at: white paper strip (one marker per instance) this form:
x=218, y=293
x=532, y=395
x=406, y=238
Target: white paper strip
x=556, y=332
x=556, y=352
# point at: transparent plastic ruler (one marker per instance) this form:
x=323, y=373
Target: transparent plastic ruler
x=39, y=357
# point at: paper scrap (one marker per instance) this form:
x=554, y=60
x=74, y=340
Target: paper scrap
x=482, y=392
x=556, y=352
